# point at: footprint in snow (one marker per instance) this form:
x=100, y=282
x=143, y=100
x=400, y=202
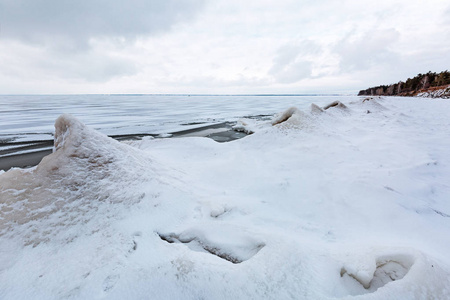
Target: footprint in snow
x=110, y=282
x=227, y=243
x=371, y=277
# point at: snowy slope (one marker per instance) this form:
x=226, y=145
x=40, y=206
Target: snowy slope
x=351, y=200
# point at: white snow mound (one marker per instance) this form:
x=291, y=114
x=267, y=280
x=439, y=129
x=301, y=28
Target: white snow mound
x=86, y=170
x=292, y=118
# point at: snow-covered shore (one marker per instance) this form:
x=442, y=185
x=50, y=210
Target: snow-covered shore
x=443, y=93
x=331, y=203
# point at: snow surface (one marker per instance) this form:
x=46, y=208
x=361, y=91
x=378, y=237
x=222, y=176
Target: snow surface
x=347, y=202
x=439, y=93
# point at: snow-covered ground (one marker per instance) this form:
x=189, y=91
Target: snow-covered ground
x=347, y=202
x=436, y=93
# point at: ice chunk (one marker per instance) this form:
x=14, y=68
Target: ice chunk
x=243, y=126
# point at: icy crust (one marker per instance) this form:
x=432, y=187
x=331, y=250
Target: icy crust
x=333, y=203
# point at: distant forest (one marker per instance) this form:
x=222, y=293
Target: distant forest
x=411, y=86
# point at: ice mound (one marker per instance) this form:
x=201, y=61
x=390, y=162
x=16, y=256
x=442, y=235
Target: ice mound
x=286, y=115
x=292, y=118
x=86, y=169
x=317, y=116
x=336, y=104
x=315, y=109
x=337, y=109
x=78, y=147
x=370, y=105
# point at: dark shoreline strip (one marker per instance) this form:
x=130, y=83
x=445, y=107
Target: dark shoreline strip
x=23, y=160
x=26, y=147
x=10, y=160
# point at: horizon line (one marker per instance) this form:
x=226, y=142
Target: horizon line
x=187, y=94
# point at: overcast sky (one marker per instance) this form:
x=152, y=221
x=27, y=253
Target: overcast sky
x=223, y=46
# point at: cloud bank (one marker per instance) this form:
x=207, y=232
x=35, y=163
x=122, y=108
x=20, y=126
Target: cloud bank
x=223, y=46
x=76, y=22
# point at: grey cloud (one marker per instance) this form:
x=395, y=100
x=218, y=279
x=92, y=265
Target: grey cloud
x=290, y=64
x=368, y=50
x=74, y=22
x=63, y=32
x=29, y=64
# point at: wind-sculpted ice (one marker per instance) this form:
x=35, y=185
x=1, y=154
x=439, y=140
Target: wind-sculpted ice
x=286, y=115
x=69, y=186
x=295, y=118
x=337, y=104
x=316, y=109
x=369, y=104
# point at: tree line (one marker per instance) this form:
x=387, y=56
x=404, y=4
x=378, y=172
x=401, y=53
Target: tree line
x=411, y=86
